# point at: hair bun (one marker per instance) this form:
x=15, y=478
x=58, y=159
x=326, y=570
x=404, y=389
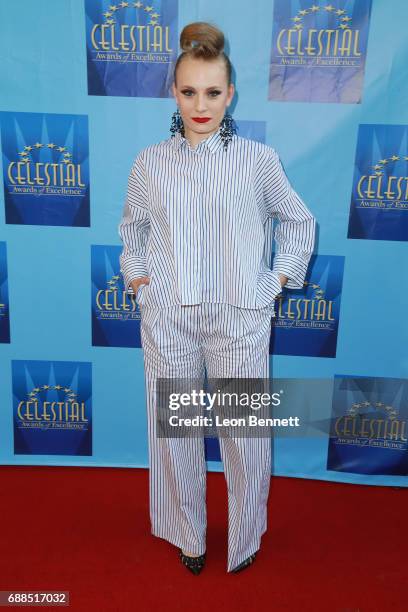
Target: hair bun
x=203, y=39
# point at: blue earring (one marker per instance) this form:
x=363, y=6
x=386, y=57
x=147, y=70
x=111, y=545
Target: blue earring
x=177, y=124
x=228, y=128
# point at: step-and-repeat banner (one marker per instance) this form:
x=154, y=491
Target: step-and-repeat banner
x=86, y=84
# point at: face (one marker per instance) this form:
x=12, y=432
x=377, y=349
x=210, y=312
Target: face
x=202, y=92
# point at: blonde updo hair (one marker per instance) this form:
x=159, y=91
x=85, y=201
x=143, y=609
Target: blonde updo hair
x=205, y=41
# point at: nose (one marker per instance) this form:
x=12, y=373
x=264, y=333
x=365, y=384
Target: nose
x=200, y=103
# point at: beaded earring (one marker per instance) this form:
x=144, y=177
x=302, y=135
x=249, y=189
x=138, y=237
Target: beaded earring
x=227, y=129
x=177, y=124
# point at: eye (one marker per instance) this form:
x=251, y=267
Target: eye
x=186, y=92
x=216, y=93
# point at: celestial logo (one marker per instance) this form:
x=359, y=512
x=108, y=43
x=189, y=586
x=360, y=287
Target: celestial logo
x=115, y=313
x=4, y=299
x=45, y=168
x=131, y=47
x=379, y=201
x=52, y=407
x=319, y=50
x=307, y=319
x=369, y=429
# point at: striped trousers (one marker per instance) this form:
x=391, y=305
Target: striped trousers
x=228, y=342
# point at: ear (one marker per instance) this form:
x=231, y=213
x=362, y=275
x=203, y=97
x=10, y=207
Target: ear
x=174, y=90
x=231, y=92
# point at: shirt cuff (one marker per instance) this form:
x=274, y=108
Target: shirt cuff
x=292, y=266
x=132, y=269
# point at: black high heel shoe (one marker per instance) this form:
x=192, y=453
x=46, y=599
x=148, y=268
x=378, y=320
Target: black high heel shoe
x=245, y=563
x=194, y=564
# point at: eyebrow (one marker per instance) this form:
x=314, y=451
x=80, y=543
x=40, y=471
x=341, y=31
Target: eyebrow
x=211, y=87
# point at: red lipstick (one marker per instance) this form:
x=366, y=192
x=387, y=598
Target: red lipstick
x=201, y=119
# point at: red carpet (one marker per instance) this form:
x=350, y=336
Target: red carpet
x=329, y=547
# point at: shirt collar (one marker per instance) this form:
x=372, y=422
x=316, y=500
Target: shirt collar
x=212, y=142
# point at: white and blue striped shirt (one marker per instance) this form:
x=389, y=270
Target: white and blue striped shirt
x=199, y=223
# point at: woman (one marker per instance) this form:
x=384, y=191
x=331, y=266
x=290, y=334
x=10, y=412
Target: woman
x=196, y=249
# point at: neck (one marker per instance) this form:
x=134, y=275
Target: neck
x=194, y=138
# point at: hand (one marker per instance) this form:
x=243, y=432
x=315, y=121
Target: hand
x=283, y=279
x=136, y=282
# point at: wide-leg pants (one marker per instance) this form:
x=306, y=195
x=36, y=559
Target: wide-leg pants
x=229, y=342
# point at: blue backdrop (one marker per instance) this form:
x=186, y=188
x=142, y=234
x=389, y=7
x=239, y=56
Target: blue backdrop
x=85, y=86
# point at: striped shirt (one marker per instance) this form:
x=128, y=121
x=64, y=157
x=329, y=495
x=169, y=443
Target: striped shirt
x=200, y=222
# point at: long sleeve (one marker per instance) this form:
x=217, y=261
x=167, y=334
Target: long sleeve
x=134, y=226
x=295, y=233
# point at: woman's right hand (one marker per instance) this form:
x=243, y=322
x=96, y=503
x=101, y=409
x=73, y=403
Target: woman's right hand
x=137, y=282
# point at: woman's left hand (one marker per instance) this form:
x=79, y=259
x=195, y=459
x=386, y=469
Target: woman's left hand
x=283, y=279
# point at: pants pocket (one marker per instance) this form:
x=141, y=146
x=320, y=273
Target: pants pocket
x=269, y=287
x=140, y=294
x=253, y=318
x=149, y=318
